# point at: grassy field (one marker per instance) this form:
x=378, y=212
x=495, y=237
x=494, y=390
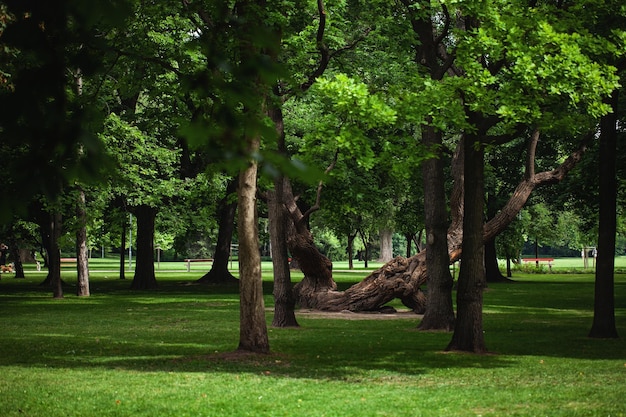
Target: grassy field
x=169, y=352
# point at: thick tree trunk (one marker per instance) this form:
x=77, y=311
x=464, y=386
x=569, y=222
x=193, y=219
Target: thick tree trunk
x=409, y=240
x=439, y=313
x=399, y=278
x=253, y=335
x=317, y=268
x=386, y=245
x=219, y=273
x=492, y=269
x=144, y=278
x=604, y=299
x=50, y=227
x=17, y=257
x=284, y=300
x=82, y=258
x=468, y=330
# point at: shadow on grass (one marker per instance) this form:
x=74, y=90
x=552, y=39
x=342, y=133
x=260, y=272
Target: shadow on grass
x=69, y=352
x=185, y=327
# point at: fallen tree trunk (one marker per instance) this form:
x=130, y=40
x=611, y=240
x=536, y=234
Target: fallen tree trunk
x=402, y=278
x=399, y=278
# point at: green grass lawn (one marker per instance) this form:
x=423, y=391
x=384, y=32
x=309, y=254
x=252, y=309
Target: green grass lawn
x=168, y=352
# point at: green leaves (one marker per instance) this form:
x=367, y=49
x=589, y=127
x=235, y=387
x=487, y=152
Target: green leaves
x=146, y=169
x=518, y=65
x=354, y=115
x=352, y=101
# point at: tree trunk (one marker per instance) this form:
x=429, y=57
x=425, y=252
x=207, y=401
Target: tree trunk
x=54, y=255
x=439, y=313
x=409, y=243
x=253, y=335
x=366, y=244
x=386, y=245
x=123, y=250
x=284, y=300
x=350, y=250
x=492, y=269
x=82, y=258
x=17, y=257
x=227, y=208
x=317, y=268
x=537, y=252
x=144, y=278
x=604, y=299
x=468, y=330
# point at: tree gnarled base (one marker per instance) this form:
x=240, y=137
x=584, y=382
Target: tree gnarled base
x=400, y=278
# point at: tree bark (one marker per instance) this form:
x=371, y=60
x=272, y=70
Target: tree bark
x=82, y=258
x=16, y=254
x=409, y=240
x=468, y=329
x=492, y=269
x=253, y=335
x=145, y=278
x=219, y=273
x=284, y=300
x=386, y=245
x=54, y=255
x=365, y=240
x=603, y=325
x=123, y=250
x=350, y=250
x=439, y=313
x=317, y=268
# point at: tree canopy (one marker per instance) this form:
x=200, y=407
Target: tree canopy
x=156, y=105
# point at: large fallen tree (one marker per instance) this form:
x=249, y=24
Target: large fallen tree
x=402, y=278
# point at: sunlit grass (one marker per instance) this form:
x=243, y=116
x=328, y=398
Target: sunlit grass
x=168, y=352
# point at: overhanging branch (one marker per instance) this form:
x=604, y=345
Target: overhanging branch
x=318, y=195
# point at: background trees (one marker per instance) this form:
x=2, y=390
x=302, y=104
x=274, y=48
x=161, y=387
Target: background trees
x=372, y=94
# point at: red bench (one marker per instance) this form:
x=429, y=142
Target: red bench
x=540, y=260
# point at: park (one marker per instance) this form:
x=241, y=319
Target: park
x=312, y=207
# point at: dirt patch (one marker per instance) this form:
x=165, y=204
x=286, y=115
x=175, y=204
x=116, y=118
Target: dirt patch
x=351, y=315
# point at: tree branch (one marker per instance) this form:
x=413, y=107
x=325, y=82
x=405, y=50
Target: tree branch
x=321, y=47
x=519, y=197
x=318, y=196
x=530, y=155
x=153, y=60
x=504, y=138
x=446, y=26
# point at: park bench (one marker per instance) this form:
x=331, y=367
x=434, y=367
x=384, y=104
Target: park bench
x=538, y=261
x=189, y=261
x=68, y=261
